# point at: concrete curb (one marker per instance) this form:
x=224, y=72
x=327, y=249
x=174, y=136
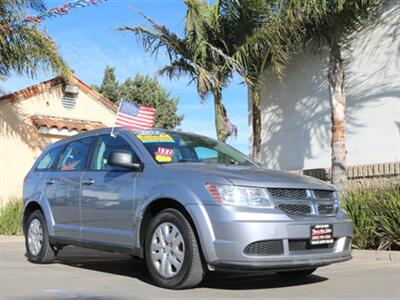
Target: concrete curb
x=11, y=238
x=376, y=255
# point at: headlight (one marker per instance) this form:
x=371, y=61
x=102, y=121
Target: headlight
x=240, y=196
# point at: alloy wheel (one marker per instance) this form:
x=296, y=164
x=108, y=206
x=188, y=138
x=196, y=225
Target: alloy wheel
x=167, y=249
x=35, y=237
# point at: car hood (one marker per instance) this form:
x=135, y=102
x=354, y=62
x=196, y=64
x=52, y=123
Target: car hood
x=253, y=176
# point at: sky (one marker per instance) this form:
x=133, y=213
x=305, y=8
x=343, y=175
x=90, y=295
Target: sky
x=87, y=41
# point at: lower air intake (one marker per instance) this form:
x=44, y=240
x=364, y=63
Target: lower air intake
x=305, y=245
x=272, y=247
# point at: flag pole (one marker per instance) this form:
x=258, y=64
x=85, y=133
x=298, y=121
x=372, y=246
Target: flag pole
x=112, y=129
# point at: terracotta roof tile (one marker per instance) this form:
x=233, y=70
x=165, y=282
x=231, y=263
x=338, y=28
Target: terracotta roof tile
x=62, y=123
x=31, y=90
x=46, y=85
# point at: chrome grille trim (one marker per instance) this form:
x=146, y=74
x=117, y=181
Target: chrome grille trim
x=300, y=209
x=304, y=202
x=323, y=194
x=287, y=193
x=325, y=209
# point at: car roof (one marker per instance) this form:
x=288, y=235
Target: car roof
x=108, y=131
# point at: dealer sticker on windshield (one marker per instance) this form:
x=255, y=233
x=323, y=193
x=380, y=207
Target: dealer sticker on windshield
x=321, y=234
x=158, y=137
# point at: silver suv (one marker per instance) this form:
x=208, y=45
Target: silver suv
x=183, y=202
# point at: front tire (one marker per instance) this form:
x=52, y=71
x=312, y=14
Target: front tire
x=38, y=247
x=172, y=254
x=297, y=274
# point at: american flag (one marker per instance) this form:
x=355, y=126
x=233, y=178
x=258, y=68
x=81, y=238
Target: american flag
x=164, y=151
x=135, y=116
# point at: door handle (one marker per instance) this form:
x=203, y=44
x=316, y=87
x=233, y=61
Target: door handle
x=88, y=181
x=50, y=181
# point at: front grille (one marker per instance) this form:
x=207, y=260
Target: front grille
x=272, y=247
x=305, y=245
x=287, y=193
x=323, y=194
x=309, y=201
x=295, y=208
x=326, y=209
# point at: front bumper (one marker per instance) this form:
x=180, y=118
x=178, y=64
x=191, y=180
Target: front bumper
x=288, y=263
x=225, y=232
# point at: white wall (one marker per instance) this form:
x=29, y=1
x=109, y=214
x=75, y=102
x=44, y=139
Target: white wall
x=21, y=143
x=296, y=116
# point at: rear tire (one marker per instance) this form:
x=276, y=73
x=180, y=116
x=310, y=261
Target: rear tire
x=297, y=274
x=38, y=247
x=171, y=250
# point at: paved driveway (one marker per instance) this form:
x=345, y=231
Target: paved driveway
x=86, y=274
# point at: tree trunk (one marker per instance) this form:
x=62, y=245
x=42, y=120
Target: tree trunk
x=338, y=104
x=220, y=125
x=256, y=122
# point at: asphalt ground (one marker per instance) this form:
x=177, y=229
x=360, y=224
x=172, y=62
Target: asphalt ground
x=89, y=274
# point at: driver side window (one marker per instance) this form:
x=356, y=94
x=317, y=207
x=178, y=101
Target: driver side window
x=75, y=155
x=104, y=146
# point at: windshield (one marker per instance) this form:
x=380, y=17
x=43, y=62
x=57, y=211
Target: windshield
x=176, y=147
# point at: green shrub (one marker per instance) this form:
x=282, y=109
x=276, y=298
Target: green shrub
x=375, y=212
x=11, y=218
x=388, y=220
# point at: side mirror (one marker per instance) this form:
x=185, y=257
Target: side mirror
x=123, y=159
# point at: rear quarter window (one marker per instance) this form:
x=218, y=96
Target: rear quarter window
x=49, y=159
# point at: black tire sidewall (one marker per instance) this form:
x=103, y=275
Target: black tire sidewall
x=45, y=243
x=176, y=218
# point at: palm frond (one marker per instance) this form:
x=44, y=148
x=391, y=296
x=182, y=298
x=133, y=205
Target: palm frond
x=155, y=39
x=26, y=50
x=340, y=18
x=187, y=56
x=178, y=68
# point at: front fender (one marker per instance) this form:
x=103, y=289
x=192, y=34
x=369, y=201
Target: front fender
x=179, y=192
x=174, y=191
x=188, y=199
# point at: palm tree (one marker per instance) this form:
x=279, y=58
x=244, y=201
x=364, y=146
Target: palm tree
x=262, y=34
x=272, y=31
x=340, y=20
x=25, y=49
x=228, y=36
x=197, y=55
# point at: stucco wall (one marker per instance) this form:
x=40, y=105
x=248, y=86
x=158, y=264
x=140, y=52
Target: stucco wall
x=20, y=142
x=296, y=117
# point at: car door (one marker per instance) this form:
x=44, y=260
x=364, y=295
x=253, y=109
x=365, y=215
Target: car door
x=107, y=205
x=63, y=191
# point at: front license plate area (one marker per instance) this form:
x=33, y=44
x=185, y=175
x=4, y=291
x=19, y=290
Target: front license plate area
x=321, y=234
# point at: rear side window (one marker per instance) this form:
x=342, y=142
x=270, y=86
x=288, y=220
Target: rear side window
x=48, y=160
x=104, y=146
x=75, y=155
